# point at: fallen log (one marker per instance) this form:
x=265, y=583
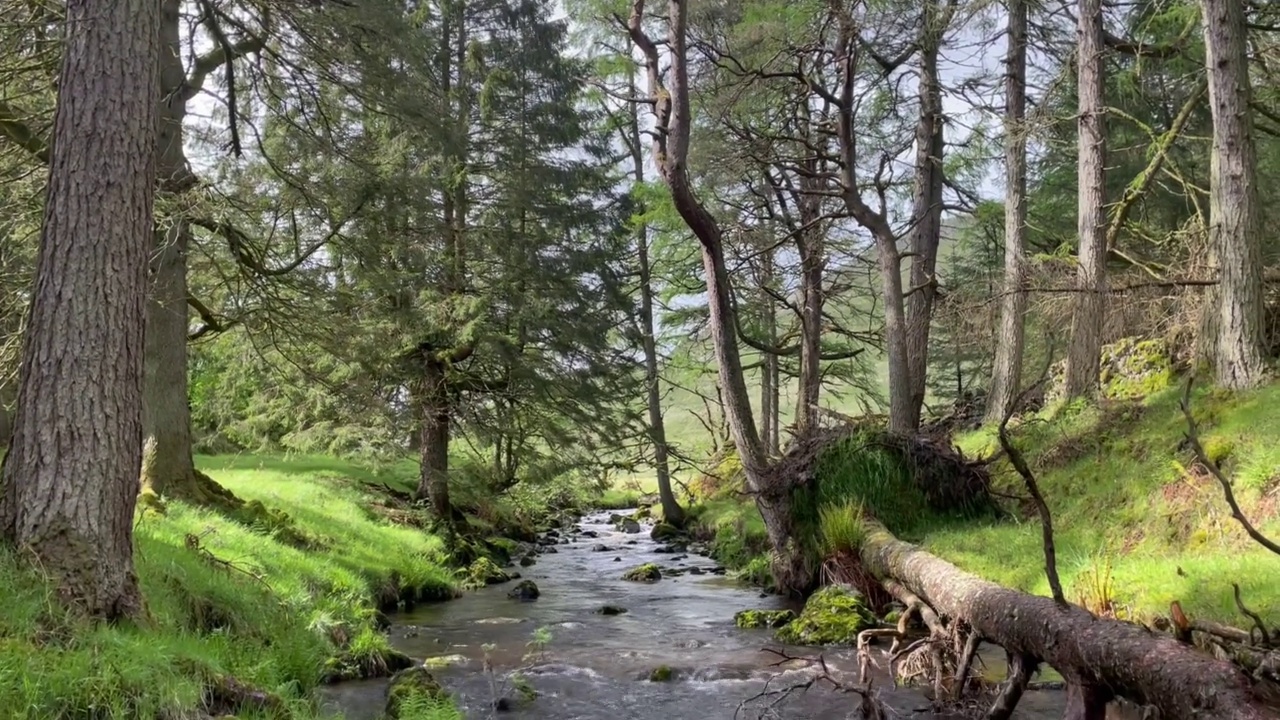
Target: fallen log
x=1100, y=659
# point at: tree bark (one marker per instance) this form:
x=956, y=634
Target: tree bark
x=1238, y=354
x=1006, y=373
x=1093, y=654
x=433, y=420
x=809, y=244
x=927, y=211
x=1089, y=302
x=769, y=362
x=70, y=479
x=671, y=510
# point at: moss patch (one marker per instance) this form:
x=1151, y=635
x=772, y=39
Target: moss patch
x=647, y=572
x=763, y=618
x=832, y=616
x=662, y=673
x=482, y=572
x=410, y=689
x=664, y=532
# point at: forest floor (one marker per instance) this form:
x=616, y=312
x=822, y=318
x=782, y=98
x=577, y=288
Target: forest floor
x=1137, y=523
x=273, y=606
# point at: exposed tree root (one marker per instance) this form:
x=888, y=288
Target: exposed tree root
x=767, y=703
x=1021, y=668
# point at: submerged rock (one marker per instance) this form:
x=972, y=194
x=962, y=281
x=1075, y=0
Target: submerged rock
x=443, y=661
x=662, y=673
x=610, y=610
x=695, y=570
x=407, y=686
x=527, y=560
x=550, y=550
x=763, y=618
x=629, y=526
x=600, y=548
x=832, y=616
x=525, y=590
x=615, y=518
x=647, y=572
x=617, y=559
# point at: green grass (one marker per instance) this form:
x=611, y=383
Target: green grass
x=223, y=601
x=1116, y=482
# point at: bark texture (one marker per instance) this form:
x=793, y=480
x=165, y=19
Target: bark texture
x=1238, y=355
x=432, y=392
x=927, y=210
x=811, y=248
x=70, y=479
x=1099, y=658
x=1089, y=301
x=1006, y=373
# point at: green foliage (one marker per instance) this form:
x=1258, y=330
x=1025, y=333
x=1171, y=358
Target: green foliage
x=832, y=616
x=840, y=527
x=224, y=600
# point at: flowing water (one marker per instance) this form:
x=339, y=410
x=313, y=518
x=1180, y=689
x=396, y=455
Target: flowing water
x=597, y=667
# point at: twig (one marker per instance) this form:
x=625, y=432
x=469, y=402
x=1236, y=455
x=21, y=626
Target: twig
x=1020, y=669
x=1193, y=439
x=1257, y=621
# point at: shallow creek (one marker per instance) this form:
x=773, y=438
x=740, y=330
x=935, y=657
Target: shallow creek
x=597, y=667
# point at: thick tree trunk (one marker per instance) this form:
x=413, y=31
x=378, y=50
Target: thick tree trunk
x=811, y=271
x=927, y=211
x=904, y=415
x=769, y=363
x=1238, y=355
x=1006, y=372
x=70, y=479
x=1092, y=654
x=433, y=422
x=1088, y=310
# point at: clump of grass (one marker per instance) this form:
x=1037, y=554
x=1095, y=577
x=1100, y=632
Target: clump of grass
x=841, y=528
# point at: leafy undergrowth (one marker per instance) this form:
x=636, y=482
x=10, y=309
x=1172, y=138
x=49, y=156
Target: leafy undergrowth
x=1138, y=524
x=230, y=604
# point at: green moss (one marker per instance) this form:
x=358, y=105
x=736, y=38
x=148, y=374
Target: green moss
x=832, y=616
x=411, y=688
x=662, y=673
x=647, y=572
x=763, y=618
x=1132, y=368
x=665, y=532
x=1217, y=448
x=482, y=572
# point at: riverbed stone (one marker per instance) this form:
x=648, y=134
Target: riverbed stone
x=408, y=685
x=550, y=550
x=662, y=673
x=629, y=526
x=600, y=547
x=832, y=616
x=763, y=618
x=525, y=590
x=484, y=572
x=695, y=570
x=615, y=518
x=527, y=560
x=611, y=610
x=647, y=572
x=664, y=532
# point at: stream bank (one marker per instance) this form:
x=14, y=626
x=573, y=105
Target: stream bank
x=598, y=667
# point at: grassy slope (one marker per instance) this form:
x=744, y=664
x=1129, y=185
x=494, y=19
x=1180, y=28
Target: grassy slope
x=208, y=620
x=1116, y=481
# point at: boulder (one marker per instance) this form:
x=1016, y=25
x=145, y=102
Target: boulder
x=615, y=518
x=643, y=573
x=629, y=526
x=662, y=673
x=483, y=572
x=527, y=560
x=664, y=532
x=408, y=685
x=525, y=590
x=600, y=547
x=832, y=616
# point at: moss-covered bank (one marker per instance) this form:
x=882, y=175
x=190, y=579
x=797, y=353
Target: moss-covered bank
x=242, y=617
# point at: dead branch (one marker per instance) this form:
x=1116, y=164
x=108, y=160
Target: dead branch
x=1021, y=668
x=1193, y=439
x=871, y=708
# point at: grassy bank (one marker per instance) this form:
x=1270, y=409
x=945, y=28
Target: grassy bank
x=1137, y=526
x=272, y=606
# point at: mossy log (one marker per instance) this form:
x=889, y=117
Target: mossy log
x=1100, y=659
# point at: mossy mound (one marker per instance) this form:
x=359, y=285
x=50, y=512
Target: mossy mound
x=763, y=618
x=411, y=688
x=482, y=572
x=664, y=532
x=647, y=572
x=832, y=616
x=644, y=512
x=275, y=522
x=662, y=673
x=1132, y=368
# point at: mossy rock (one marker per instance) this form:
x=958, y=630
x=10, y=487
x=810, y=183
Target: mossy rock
x=482, y=572
x=148, y=501
x=647, y=572
x=763, y=618
x=664, y=532
x=407, y=685
x=525, y=590
x=832, y=616
x=1133, y=368
x=629, y=526
x=644, y=512
x=662, y=673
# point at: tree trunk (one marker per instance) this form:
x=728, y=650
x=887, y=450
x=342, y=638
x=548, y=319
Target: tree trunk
x=671, y=510
x=927, y=211
x=168, y=467
x=904, y=415
x=1094, y=655
x=433, y=421
x=1089, y=301
x=811, y=271
x=1006, y=373
x=1238, y=355
x=70, y=479
x=769, y=362
x=671, y=145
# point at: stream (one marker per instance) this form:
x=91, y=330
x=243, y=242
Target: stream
x=597, y=667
